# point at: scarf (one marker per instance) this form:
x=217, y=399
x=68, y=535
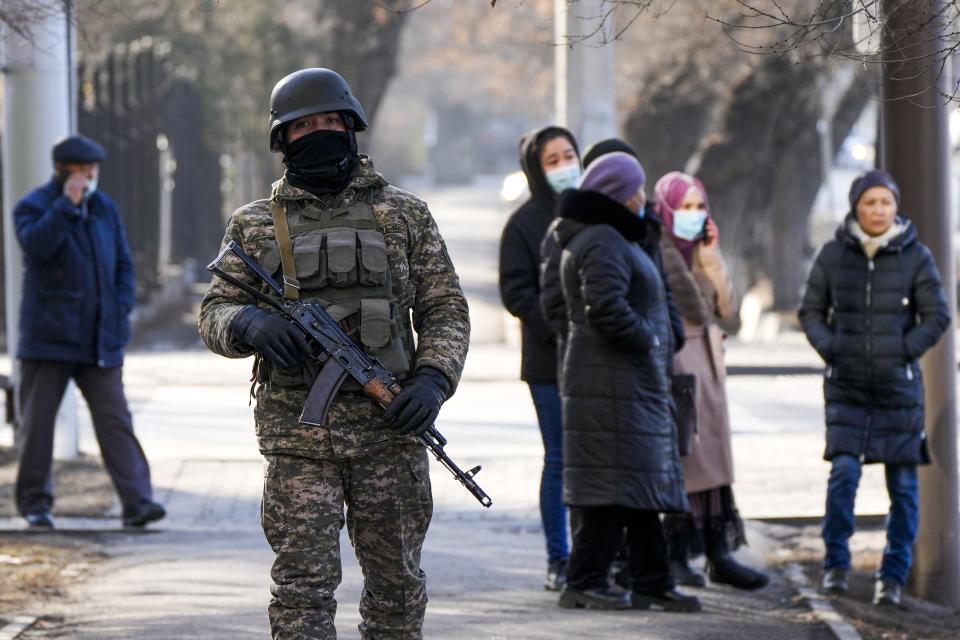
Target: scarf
x=322, y=162
x=872, y=244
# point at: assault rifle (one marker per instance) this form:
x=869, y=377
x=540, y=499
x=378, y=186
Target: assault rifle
x=339, y=356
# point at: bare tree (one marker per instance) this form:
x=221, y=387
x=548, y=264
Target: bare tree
x=237, y=51
x=20, y=16
x=856, y=30
x=746, y=124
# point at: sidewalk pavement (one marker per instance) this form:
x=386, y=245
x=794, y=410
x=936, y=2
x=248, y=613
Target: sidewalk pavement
x=204, y=572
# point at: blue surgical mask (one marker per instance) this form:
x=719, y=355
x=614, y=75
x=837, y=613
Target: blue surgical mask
x=563, y=178
x=688, y=223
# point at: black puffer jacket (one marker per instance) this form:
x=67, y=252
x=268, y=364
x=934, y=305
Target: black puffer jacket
x=870, y=320
x=520, y=265
x=619, y=442
x=551, y=296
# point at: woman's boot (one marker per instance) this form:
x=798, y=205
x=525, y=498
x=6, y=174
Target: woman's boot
x=680, y=568
x=723, y=568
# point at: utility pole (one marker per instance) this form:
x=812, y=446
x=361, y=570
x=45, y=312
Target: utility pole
x=36, y=113
x=916, y=151
x=584, y=70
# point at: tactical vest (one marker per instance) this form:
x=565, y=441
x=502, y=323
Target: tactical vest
x=340, y=259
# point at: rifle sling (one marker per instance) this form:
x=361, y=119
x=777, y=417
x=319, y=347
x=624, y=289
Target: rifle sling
x=291, y=286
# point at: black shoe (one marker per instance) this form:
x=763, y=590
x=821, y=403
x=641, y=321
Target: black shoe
x=836, y=581
x=886, y=593
x=671, y=600
x=726, y=570
x=143, y=512
x=39, y=520
x=556, y=575
x=600, y=598
x=686, y=575
x=619, y=575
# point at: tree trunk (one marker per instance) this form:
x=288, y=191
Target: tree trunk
x=757, y=151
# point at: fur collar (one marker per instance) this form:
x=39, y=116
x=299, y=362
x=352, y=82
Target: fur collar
x=590, y=207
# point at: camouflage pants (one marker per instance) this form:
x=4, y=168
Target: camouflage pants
x=388, y=509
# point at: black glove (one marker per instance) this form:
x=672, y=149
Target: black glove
x=417, y=406
x=271, y=336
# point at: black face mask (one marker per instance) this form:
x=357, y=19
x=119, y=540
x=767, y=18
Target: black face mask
x=322, y=161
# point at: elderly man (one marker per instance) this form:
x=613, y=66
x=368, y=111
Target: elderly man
x=78, y=290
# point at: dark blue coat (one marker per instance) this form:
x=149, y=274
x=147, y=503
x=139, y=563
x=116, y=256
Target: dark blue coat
x=870, y=320
x=78, y=285
x=619, y=439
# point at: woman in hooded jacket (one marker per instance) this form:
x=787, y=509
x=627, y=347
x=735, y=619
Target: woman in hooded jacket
x=703, y=293
x=621, y=463
x=873, y=305
x=550, y=159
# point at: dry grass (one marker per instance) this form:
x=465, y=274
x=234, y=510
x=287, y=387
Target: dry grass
x=81, y=487
x=38, y=569
x=916, y=619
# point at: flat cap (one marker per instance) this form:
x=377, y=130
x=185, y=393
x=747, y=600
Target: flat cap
x=78, y=149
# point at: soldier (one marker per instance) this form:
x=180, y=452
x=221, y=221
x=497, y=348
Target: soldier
x=372, y=254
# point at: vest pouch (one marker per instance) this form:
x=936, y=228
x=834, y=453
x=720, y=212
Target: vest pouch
x=374, y=323
x=380, y=335
x=269, y=257
x=339, y=312
x=310, y=260
x=342, y=258
x=285, y=377
x=373, y=258
x=395, y=357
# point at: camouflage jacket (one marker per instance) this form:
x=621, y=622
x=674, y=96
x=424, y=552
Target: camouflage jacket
x=423, y=281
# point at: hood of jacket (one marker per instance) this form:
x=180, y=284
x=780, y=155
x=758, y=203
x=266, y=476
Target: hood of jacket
x=907, y=237
x=530, y=163
x=578, y=209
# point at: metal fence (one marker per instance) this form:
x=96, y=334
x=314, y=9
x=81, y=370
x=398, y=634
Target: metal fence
x=163, y=174
x=160, y=171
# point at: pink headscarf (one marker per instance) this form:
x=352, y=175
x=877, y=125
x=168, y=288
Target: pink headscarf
x=668, y=194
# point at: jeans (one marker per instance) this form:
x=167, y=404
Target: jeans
x=902, y=519
x=546, y=400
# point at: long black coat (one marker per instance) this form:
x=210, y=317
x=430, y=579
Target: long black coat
x=520, y=266
x=619, y=441
x=870, y=320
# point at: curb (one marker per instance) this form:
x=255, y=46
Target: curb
x=16, y=626
x=821, y=606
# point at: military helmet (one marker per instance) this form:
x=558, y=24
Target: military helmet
x=307, y=91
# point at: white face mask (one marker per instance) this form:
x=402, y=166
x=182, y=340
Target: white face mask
x=688, y=223
x=563, y=178
x=91, y=187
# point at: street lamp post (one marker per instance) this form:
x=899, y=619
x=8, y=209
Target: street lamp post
x=36, y=113
x=584, y=70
